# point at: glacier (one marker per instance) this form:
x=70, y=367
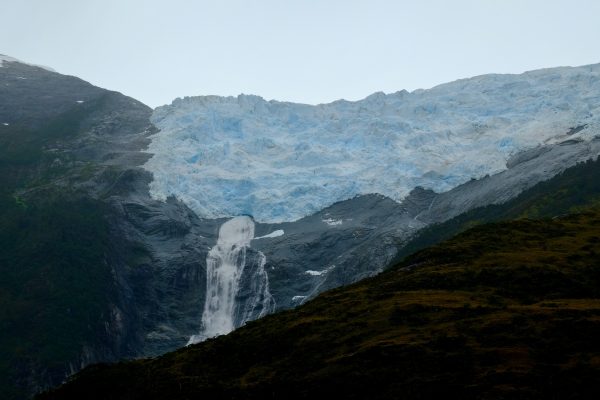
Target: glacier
x=280, y=161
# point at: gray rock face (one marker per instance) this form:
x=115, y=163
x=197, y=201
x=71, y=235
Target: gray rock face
x=168, y=281
x=333, y=247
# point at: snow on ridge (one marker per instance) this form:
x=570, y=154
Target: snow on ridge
x=280, y=161
x=4, y=58
x=274, y=234
x=319, y=273
x=315, y=273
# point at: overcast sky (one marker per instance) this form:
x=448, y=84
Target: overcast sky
x=309, y=51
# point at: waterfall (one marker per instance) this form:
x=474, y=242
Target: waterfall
x=237, y=285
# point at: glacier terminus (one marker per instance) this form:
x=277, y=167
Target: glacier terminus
x=279, y=161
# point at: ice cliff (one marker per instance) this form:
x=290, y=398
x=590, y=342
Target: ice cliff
x=279, y=161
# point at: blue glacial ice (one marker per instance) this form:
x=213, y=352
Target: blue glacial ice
x=280, y=161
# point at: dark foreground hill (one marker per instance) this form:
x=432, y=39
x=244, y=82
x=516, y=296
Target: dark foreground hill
x=504, y=310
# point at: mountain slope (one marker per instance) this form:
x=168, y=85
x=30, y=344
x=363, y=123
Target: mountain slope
x=61, y=142
x=574, y=189
x=503, y=310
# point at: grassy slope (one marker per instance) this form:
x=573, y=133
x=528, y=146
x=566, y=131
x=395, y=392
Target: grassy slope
x=55, y=280
x=503, y=310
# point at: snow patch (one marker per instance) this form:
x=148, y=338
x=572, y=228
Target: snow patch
x=79, y=101
x=298, y=298
x=274, y=234
x=5, y=124
x=332, y=222
x=319, y=273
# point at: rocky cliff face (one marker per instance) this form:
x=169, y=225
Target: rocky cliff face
x=85, y=144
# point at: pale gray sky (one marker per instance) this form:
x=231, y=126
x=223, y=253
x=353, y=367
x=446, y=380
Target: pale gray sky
x=309, y=51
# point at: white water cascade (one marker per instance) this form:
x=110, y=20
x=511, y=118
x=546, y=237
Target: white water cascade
x=237, y=286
